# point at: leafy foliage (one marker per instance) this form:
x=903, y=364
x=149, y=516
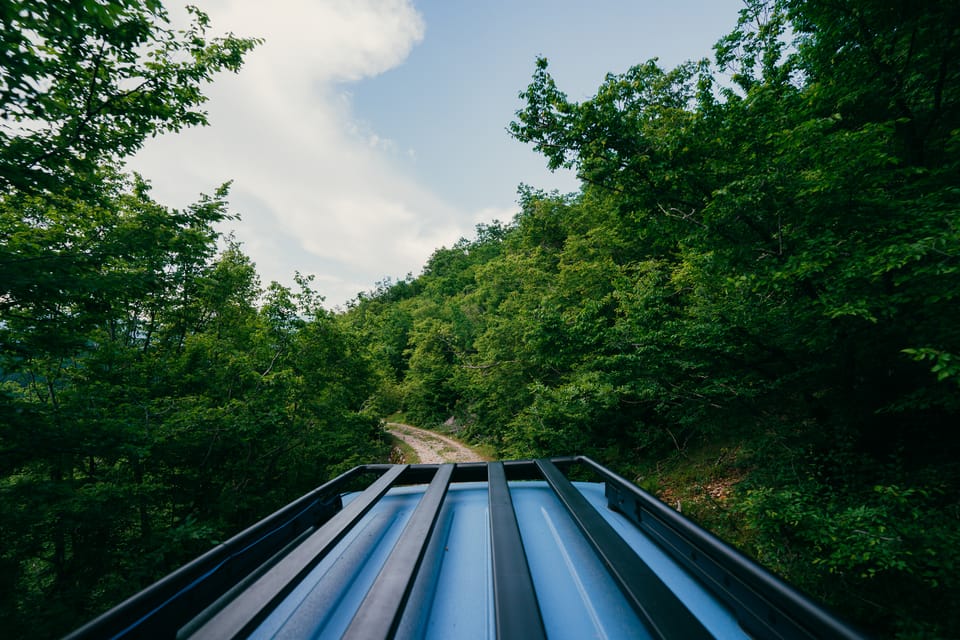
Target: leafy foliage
x=767, y=265
x=84, y=83
x=151, y=407
x=154, y=398
x=770, y=262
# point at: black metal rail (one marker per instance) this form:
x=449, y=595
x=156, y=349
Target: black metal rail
x=516, y=609
x=247, y=610
x=382, y=608
x=227, y=592
x=765, y=605
x=162, y=608
x=662, y=611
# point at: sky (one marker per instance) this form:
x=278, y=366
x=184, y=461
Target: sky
x=363, y=135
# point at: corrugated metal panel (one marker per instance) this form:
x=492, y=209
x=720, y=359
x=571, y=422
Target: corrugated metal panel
x=505, y=550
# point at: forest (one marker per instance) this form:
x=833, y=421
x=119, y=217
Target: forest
x=750, y=308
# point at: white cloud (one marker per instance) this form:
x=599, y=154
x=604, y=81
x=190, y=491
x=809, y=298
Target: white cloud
x=318, y=191
x=322, y=40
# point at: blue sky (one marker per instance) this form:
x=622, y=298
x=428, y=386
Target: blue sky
x=364, y=134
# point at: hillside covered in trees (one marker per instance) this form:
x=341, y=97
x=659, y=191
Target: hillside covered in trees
x=750, y=307
x=762, y=265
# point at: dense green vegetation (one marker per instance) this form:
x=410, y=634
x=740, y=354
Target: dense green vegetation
x=751, y=307
x=762, y=269
x=154, y=398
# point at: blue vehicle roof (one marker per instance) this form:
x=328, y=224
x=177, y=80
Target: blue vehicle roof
x=475, y=550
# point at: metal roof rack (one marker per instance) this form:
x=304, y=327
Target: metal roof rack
x=233, y=589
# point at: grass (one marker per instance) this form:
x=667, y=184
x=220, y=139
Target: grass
x=700, y=483
x=486, y=451
x=401, y=452
x=399, y=416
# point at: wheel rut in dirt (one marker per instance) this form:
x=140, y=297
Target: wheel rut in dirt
x=432, y=447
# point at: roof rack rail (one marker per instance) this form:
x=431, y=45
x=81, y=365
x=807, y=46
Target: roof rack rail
x=369, y=564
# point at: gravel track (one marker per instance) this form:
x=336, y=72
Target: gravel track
x=431, y=447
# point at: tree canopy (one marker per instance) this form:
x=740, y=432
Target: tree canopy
x=85, y=83
x=750, y=307
x=763, y=258
x=154, y=397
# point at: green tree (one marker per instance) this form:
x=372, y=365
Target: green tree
x=770, y=260
x=84, y=84
x=96, y=294
x=80, y=349
x=170, y=412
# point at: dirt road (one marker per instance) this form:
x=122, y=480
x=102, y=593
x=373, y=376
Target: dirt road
x=431, y=447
